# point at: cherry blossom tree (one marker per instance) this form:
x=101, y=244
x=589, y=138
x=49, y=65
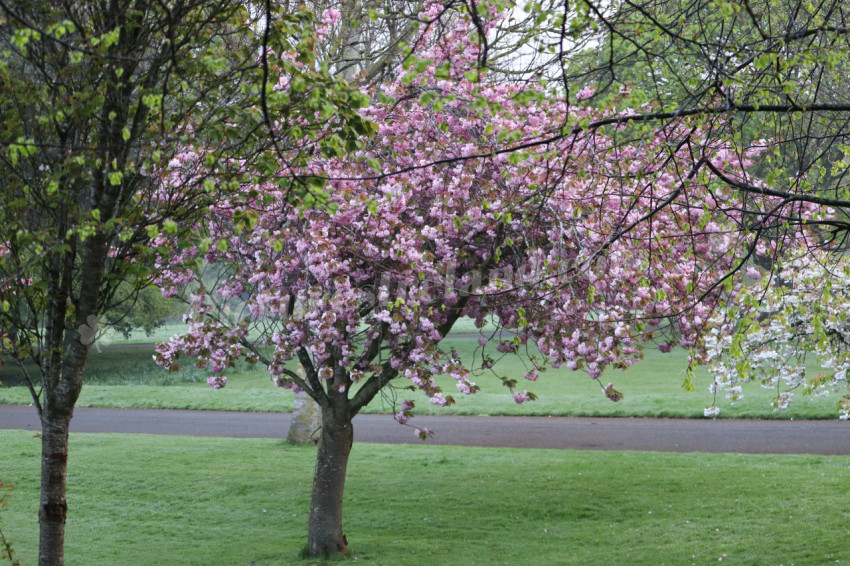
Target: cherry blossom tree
x=478, y=197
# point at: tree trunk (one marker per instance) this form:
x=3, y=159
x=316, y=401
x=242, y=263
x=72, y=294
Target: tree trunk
x=325, y=536
x=306, y=424
x=53, y=507
x=63, y=381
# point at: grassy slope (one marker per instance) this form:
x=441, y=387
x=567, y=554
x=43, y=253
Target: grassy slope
x=652, y=388
x=203, y=501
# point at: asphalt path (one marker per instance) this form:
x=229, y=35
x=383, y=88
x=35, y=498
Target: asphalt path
x=582, y=433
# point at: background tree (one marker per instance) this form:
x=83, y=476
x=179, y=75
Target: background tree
x=762, y=70
x=365, y=40
x=778, y=331
x=774, y=75
x=145, y=310
x=100, y=102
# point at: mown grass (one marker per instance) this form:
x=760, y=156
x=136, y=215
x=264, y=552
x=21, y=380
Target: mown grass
x=652, y=388
x=147, y=500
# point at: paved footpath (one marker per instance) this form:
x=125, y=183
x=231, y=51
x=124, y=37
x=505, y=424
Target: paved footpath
x=665, y=435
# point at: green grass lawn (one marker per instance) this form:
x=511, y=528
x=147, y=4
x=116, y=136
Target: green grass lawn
x=146, y=500
x=652, y=388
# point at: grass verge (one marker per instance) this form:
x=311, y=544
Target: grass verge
x=652, y=388
x=147, y=500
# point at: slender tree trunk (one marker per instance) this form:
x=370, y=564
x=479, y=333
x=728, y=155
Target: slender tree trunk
x=53, y=507
x=325, y=536
x=56, y=415
x=62, y=373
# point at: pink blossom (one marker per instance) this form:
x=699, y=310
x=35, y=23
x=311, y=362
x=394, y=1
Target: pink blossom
x=438, y=399
x=402, y=418
x=612, y=393
x=586, y=93
x=330, y=16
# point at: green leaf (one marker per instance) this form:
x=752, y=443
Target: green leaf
x=152, y=100
x=374, y=164
x=111, y=37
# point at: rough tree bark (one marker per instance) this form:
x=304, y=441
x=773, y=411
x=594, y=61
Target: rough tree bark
x=325, y=535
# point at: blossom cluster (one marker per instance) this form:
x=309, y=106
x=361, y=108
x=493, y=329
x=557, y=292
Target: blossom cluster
x=780, y=325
